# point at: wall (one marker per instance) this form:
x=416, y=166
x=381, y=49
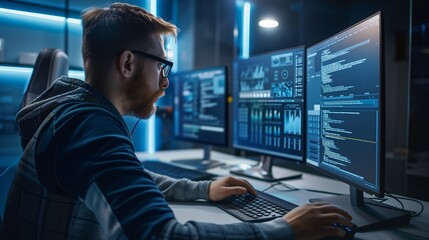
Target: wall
x=205, y=40
x=26, y=27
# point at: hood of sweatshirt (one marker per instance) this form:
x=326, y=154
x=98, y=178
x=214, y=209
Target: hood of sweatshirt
x=64, y=90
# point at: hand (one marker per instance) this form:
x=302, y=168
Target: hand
x=227, y=186
x=315, y=221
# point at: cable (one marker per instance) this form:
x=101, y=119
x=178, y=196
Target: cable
x=390, y=195
x=287, y=186
x=310, y=190
x=402, y=205
x=384, y=206
x=272, y=185
x=380, y=200
x=135, y=125
x=290, y=188
x=412, y=200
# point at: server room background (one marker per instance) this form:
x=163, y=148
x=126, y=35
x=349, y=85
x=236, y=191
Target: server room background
x=213, y=33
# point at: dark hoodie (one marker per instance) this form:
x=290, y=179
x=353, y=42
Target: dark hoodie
x=79, y=178
x=84, y=149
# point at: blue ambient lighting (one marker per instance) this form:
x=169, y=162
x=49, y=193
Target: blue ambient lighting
x=151, y=139
x=246, y=30
x=77, y=74
x=40, y=16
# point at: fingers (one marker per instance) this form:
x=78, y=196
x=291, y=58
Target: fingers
x=332, y=214
x=248, y=186
x=235, y=191
x=318, y=220
x=325, y=207
x=331, y=218
x=252, y=190
x=329, y=208
x=227, y=186
x=231, y=181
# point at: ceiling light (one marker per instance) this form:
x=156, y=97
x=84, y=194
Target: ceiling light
x=268, y=23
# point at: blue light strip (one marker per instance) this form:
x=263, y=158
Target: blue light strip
x=172, y=46
x=153, y=7
x=77, y=74
x=74, y=21
x=25, y=73
x=9, y=73
x=246, y=30
x=16, y=69
x=151, y=139
x=41, y=16
x=72, y=73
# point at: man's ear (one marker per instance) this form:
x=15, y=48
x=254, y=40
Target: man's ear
x=126, y=64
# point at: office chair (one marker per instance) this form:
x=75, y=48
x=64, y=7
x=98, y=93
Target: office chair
x=50, y=65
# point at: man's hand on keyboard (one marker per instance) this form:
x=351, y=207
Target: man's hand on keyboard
x=316, y=220
x=228, y=186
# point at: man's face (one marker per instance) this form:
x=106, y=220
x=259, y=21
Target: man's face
x=147, y=85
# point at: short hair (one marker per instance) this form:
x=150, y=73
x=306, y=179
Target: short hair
x=109, y=31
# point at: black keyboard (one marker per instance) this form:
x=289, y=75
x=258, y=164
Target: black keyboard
x=260, y=208
x=176, y=171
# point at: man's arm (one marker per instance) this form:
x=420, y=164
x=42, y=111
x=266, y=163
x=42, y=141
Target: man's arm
x=99, y=167
x=275, y=229
x=187, y=190
x=180, y=189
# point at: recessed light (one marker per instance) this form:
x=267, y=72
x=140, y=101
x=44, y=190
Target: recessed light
x=268, y=23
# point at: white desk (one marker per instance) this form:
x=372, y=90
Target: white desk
x=205, y=212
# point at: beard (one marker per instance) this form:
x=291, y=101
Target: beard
x=143, y=110
x=139, y=101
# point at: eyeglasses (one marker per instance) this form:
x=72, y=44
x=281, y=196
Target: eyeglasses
x=165, y=67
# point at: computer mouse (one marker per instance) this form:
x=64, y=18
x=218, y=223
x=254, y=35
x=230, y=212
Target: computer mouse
x=350, y=232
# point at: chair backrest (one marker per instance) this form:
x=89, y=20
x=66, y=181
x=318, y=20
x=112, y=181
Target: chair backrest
x=51, y=64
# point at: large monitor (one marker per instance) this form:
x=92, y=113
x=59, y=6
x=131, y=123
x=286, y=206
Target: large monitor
x=345, y=118
x=200, y=111
x=268, y=108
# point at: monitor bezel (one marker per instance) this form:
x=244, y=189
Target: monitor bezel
x=201, y=141
x=304, y=112
x=381, y=104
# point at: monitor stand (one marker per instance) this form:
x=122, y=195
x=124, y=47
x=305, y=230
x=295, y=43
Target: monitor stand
x=264, y=171
x=367, y=214
x=201, y=163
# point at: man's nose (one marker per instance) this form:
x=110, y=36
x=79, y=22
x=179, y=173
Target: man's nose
x=164, y=83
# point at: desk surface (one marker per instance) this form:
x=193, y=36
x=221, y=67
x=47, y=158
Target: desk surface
x=205, y=212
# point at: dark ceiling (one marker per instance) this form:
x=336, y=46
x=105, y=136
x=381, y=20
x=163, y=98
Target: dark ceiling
x=300, y=22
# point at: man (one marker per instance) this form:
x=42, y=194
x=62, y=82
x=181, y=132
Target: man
x=79, y=177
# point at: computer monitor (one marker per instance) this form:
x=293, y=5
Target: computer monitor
x=268, y=108
x=345, y=118
x=200, y=111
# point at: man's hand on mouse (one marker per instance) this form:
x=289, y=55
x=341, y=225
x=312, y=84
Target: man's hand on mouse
x=316, y=220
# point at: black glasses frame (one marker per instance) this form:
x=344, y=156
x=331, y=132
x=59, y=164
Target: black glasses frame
x=165, y=68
